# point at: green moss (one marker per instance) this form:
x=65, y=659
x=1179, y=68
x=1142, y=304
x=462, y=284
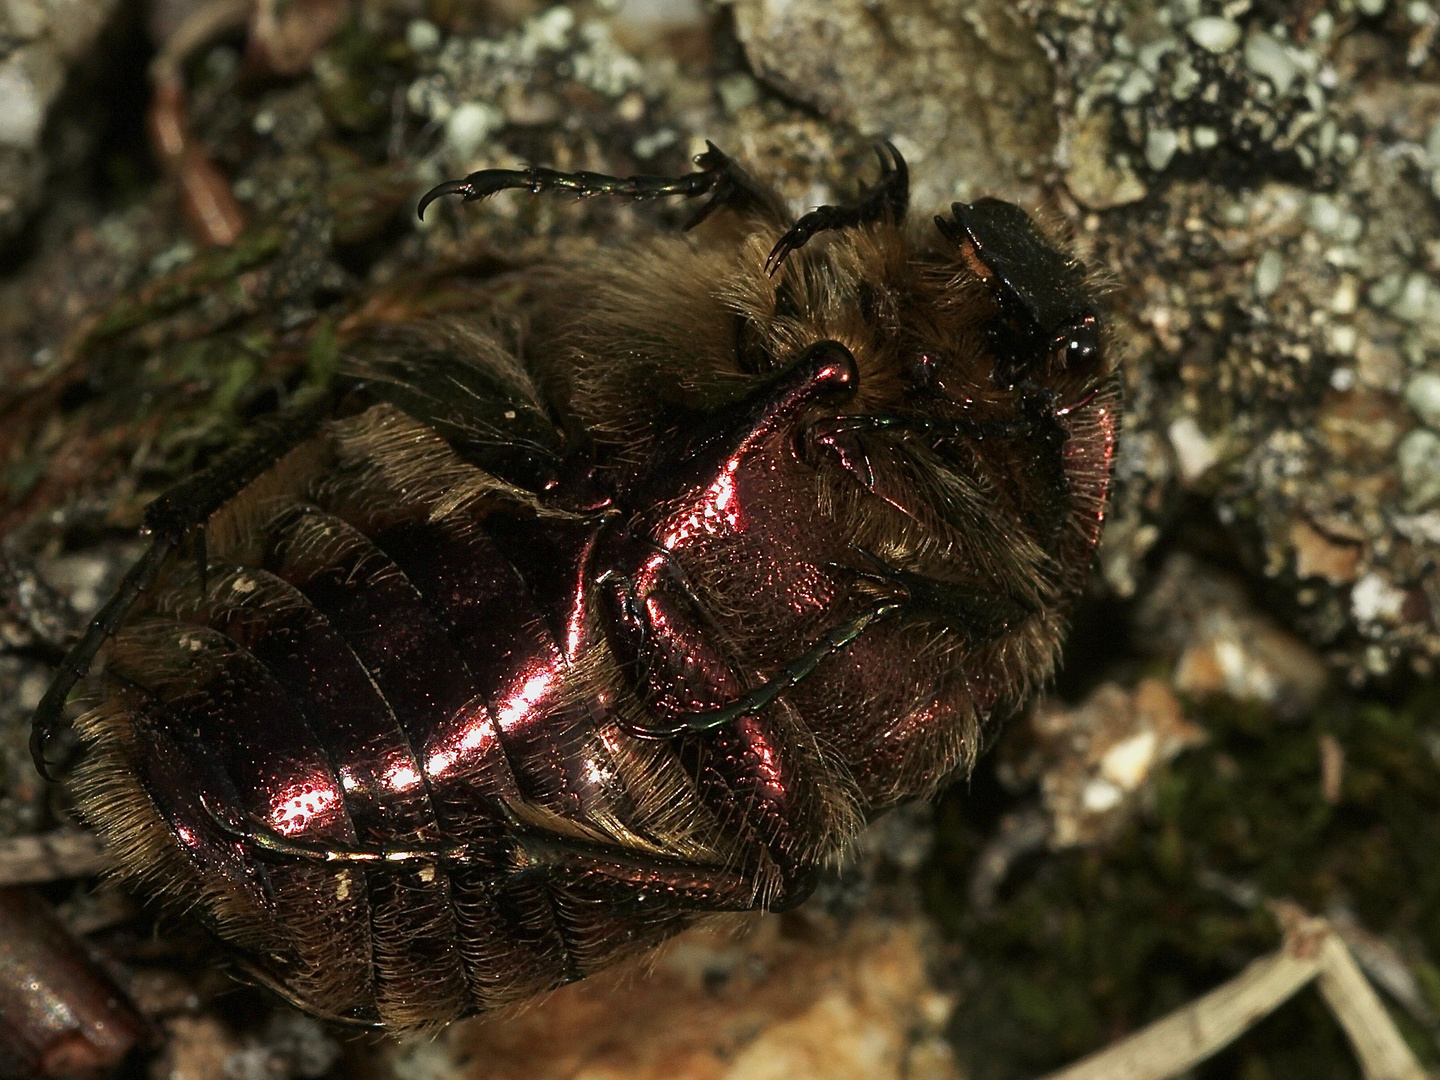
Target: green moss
x=357, y=74
x=233, y=380
x=1089, y=945
x=323, y=355
x=190, y=283
x=22, y=475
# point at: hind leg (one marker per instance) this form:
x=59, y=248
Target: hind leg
x=172, y=517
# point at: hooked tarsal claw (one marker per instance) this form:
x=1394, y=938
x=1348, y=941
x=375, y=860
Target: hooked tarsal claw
x=841, y=439
x=449, y=187
x=478, y=185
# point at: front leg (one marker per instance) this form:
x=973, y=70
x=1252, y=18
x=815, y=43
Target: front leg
x=678, y=664
x=728, y=186
x=653, y=880
x=753, y=763
x=888, y=201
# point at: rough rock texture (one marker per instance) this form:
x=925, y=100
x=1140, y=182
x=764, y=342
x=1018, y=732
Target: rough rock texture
x=785, y=1000
x=962, y=89
x=1203, y=623
x=1269, y=226
x=1093, y=763
x=40, y=42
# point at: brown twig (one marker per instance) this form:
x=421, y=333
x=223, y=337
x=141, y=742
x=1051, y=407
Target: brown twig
x=61, y=1013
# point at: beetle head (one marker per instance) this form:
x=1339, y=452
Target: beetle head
x=1046, y=326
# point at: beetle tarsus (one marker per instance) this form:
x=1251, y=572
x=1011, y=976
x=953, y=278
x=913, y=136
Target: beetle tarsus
x=716, y=172
x=888, y=201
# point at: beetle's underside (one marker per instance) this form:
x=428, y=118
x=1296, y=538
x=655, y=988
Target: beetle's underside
x=568, y=626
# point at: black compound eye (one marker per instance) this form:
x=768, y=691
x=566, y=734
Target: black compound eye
x=1080, y=348
x=1045, y=315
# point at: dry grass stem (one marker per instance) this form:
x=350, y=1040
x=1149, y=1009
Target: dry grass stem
x=1312, y=950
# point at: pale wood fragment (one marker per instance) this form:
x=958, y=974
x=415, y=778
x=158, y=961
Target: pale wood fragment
x=1312, y=950
x=1382, y=1052
x=52, y=856
x=1191, y=1034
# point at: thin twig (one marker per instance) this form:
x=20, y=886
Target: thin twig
x=1191, y=1034
x=1378, y=1044
x=1312, y=950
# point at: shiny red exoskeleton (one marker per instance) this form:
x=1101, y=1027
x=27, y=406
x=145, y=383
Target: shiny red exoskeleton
x=633, y=602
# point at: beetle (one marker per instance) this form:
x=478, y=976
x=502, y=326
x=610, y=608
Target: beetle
x=552, y=627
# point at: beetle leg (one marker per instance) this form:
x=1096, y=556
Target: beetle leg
x=887, y=201
x=640, y=875
x=263, y=839
x=169, y=519
x=718, y=176
x=979, y=616
x=735, y=188
x=951, y=427
x=695, y=723
x=693, y=885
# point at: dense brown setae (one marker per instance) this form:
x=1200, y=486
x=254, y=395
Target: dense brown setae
x=555, y=628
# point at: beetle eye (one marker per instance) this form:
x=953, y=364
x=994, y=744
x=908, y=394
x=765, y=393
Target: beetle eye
x=1080, y=348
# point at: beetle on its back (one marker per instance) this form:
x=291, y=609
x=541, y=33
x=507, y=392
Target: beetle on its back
x=557, y=631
